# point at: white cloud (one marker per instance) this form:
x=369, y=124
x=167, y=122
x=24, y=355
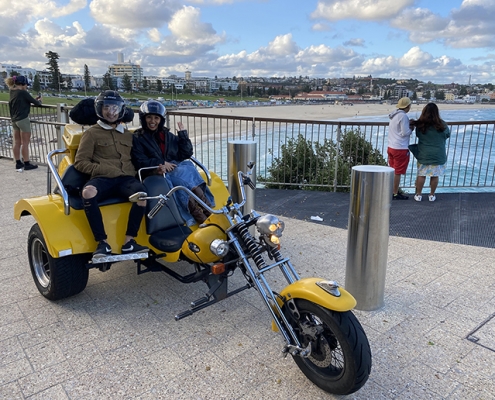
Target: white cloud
x=424, y=26
x=282, y=45
x=371, y=10
x=415, y=58
x=470, y=26
x=52, y=9
x=154, y=35
x=321, y=27
x=133, y=14
x=355, y=42
x=187, y=27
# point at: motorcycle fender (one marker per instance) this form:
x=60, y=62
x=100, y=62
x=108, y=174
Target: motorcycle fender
x=307, y=289
x=63, y=234
x=70, y=234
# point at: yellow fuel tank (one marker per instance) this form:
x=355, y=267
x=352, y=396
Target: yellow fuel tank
x=197, y=246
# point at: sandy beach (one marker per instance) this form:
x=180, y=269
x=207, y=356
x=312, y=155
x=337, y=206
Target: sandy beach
x=204, y=122
x=326, y=111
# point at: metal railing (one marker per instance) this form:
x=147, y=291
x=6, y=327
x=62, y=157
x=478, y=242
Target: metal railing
x=470, y=149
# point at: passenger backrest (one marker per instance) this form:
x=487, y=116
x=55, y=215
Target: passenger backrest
x=169, y=216
x=74, y=181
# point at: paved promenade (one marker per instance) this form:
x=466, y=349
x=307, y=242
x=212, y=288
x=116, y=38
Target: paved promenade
x=433, y=339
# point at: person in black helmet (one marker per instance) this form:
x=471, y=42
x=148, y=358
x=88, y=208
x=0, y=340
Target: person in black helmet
x=104, y=153
x=154, y=145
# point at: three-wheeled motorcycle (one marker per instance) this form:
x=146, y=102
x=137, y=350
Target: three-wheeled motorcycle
x=313, y=315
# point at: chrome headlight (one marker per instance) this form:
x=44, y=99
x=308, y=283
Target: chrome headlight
x=219, y=247
x=270, y=228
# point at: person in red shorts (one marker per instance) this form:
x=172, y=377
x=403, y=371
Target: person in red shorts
x=399, y=132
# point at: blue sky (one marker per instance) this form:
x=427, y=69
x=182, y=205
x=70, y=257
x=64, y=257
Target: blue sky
x=439, y=40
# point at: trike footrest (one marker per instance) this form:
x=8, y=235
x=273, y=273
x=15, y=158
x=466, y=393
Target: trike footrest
x=119, y=257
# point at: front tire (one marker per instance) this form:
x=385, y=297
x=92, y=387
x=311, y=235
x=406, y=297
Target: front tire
x=55, y=278
x=340, y=360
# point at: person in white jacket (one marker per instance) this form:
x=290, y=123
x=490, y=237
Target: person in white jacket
x=399, y=133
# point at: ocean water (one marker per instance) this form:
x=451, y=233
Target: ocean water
x=470, y=149
x=470, y=114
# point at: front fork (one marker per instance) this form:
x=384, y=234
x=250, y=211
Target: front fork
x=293, y=345
x=324, y=293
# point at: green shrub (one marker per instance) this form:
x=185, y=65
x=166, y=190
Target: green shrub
x=312, y=166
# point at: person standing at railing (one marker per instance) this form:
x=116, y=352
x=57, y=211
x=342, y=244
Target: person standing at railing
x=20, y=106
x=432, y=133
x=399, y=133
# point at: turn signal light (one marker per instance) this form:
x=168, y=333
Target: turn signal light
x=218, y=269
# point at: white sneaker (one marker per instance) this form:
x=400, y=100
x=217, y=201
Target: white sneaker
x=432, y=197
x=418, y=197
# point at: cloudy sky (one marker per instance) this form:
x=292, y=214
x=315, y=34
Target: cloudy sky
x=441, y=41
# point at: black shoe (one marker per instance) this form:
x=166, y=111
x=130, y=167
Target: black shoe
x=19, y=166
x=132, y=247
x=102, y=250
x=400, y=196
x=28, y=166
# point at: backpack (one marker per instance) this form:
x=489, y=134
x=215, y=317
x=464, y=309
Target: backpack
x=84, y=113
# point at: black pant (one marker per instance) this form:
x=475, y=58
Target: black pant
x=123, y=186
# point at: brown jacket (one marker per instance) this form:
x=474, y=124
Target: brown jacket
x=105, y=152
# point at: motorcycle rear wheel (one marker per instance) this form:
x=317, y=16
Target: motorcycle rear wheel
x=55, y=278
x=340, y=360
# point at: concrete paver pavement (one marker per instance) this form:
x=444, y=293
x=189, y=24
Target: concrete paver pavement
x=118, y=339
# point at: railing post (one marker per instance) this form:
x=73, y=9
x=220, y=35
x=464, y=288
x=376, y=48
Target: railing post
x=63, y=117
x=335, y=180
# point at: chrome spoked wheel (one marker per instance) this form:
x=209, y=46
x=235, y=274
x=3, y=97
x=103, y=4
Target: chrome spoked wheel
x=340, y=359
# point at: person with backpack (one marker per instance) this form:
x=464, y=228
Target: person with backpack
x=432, y=133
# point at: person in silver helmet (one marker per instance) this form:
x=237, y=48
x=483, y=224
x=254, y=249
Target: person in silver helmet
x=155, y=145
x=104, y=154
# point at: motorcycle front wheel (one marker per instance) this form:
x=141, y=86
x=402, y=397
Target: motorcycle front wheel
x=340, y=359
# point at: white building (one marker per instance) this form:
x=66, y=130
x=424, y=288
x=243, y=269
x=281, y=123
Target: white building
x=133, y=71
x=6, y=69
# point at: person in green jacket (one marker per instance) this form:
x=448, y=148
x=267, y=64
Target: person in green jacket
x=19, y=107
x=432, y=133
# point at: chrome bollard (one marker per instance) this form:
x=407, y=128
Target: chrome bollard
x=240, y=154
x=368, y=233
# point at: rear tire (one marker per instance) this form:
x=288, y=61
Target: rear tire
x=340, y=360
x=55, y=278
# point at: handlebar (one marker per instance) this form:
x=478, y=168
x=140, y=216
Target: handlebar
x=242, y=177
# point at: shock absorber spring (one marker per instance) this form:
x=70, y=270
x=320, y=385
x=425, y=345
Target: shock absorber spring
x=251, y=245
x=275, y=253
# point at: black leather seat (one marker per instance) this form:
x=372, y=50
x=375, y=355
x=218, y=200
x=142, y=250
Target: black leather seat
x=167, y=229
x=74, y=181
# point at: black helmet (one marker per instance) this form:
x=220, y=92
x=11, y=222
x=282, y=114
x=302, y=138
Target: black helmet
x=154, y=108
x=110, y=100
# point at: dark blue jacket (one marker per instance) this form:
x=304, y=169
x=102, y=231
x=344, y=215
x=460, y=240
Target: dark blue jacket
x=147, y=153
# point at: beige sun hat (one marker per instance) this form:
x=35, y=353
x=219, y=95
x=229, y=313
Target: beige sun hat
x=404, y=102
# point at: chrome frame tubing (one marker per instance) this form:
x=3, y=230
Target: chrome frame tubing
x=52, y=170
x=194, y=160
